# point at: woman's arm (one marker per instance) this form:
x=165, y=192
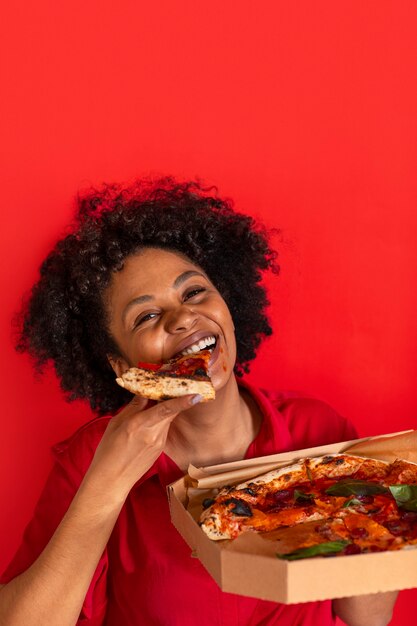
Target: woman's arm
x=368, y=610
x=53, y=589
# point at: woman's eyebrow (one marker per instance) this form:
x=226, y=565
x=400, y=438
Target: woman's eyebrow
x=145, y=298
x=184, y=276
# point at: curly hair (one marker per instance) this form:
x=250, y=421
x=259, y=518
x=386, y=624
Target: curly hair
x=64, y=319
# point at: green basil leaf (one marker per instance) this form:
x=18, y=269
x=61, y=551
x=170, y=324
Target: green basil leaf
x=329, y=547
x=352, y=487
x=300, y=496
x=352, y=502
x=405, y=496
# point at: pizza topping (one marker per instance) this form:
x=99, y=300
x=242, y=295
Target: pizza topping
x=352, y=548
x=405, y=496
x=350, y=486
x=352, y=502
x=323, y=549
x=304, y=498
x=359, y=532
x=363, y=499
x=395, y=527
x=331, y=459
x=409, y=515
x=239, y=507
x=281, y=494
x=153, y=367
x=195, y=366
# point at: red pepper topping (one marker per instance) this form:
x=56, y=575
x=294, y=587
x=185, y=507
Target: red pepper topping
x=153, y=367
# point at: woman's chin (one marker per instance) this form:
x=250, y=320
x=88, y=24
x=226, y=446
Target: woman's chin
x=222, y=378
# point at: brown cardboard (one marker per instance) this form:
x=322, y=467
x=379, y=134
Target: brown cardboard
x=248, y=565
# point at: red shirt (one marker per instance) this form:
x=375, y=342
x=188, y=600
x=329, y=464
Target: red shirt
x=147, y=575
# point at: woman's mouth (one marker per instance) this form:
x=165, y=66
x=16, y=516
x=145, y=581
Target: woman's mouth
x=208, y=343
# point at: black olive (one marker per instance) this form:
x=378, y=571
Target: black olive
x=207, y=502
x=239, y=507
x=249, y=491
x=200, y=372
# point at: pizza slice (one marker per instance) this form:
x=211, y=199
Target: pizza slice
x=185, y=375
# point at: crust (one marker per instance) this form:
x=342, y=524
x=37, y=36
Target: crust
x=160, y=386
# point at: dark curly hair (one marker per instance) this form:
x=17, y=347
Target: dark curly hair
x=64, y=318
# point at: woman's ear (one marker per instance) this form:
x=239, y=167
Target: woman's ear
x=119, y=365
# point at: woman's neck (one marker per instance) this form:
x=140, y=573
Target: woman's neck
x=215, y=432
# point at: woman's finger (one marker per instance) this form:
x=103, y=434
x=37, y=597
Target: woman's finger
x=170, y=408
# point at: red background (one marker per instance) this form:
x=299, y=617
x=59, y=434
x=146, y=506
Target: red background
x=304, y=113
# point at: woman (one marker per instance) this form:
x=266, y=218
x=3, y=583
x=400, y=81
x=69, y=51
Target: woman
x=148, y=272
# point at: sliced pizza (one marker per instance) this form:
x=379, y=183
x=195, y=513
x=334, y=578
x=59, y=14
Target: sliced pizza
x=336, y=503
x=185, y=375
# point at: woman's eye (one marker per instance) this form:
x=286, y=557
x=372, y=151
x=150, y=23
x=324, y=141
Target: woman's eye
x=193, y=292
x=144, y=318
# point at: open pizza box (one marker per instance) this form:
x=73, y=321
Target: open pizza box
x=249, y=566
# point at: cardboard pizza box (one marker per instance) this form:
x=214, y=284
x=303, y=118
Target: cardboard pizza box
x=249, y=566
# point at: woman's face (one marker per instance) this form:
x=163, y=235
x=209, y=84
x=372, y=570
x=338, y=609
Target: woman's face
x=161, y=305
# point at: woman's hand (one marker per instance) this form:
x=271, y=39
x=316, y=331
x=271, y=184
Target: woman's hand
x=132, y=442
x=368, y=610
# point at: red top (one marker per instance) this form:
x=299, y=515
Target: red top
x=147, y=575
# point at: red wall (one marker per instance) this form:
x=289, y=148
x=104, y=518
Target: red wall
x=304, y=113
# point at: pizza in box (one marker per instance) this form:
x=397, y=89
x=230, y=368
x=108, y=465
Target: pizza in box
x=323, y=506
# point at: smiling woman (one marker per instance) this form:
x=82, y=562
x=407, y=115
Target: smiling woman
x=151, y=272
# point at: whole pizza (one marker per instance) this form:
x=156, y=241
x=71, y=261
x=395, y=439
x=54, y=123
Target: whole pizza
x=335, y=504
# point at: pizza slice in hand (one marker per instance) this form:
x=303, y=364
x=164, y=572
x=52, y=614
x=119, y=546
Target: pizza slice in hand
x=186, y=375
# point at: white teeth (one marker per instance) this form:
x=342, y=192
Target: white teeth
x=200, y=345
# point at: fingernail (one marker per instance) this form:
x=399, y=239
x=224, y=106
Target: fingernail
x=195, y=399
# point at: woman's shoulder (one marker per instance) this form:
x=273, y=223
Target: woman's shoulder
x=78, y=449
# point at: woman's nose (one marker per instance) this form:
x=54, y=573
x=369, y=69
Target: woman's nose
x=180, y=319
